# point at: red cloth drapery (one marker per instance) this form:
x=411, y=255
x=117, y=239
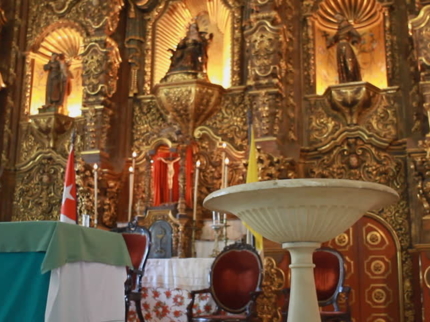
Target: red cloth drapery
x=162, y=193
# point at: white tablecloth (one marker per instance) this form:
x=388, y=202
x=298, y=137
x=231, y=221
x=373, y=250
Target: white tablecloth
x=173, y=273
x=86, y=292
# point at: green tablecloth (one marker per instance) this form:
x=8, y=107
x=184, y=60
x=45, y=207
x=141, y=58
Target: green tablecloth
x=63, y=243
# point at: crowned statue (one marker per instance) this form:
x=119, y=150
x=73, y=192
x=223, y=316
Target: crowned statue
x=189, y=59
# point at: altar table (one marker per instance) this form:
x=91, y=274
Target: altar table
x=53, y=271
x=166, y=287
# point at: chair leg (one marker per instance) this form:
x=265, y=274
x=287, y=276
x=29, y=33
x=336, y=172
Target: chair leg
x=139, y=310
x=127, y=307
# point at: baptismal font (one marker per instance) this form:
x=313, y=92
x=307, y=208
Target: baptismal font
x=301, y=214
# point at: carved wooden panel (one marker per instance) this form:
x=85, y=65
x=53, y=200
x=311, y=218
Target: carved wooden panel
x=372, y=266
x=373, y=271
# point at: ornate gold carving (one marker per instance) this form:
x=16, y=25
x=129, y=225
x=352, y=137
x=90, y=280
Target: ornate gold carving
x=38, y=188
x=230, y=122
x=342, y=240
x=273, y=282
x=98, y=124
x=353, y=101
x=265, y=45
x=271, y=167
x=375, y=111
x=377, y=267
x=420, y=30
x=379, y=295
x=190, y=103
x=101, y=62
x=353, y=159
x=51, y=126
x=321, y=125
x=267, y=112
x=374, y=238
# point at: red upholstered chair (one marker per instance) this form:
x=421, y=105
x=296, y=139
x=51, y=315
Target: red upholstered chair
x=138, y=240
x=329, y=279
x=235, y=276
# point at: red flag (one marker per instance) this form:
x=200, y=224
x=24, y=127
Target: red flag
x=68, y=206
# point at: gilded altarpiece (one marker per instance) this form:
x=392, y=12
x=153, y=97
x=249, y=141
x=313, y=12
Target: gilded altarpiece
x=353, y=132
x=80, y=31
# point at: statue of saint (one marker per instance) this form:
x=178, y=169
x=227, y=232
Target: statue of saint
x=347, y=64
x=58, y=82
x=191, y=54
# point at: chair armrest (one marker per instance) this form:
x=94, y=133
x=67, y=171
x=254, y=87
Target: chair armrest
x=193, y=297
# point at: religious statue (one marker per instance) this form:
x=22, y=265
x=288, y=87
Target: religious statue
x=170, y=171
x=58, y=84
x=347, y=63
x=190, y=56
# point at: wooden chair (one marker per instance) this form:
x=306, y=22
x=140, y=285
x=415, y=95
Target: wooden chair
x=329, y=280
x=138, y=240
x=235, y=276
x=329, y=275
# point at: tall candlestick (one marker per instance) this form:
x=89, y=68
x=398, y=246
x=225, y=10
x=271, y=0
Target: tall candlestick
x=95, y=193
x=224, y=145
x=196, y=183
x=226, y=162
x=130, y=199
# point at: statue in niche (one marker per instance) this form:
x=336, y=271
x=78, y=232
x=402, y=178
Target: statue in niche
x=347, y=64
x=58, y=85
x=191, y=55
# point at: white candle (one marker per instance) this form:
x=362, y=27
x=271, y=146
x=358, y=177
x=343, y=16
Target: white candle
x=130, y=199
x=213, y=216
x=133, y=160
x=95, y=193
x=196, y=184
x=218, y=217
x=226, y=162
x=224, y=218
x=224, y=145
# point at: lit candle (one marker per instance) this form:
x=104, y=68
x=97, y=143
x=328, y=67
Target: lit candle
x=224, y=145
x=226, y=162
x=196, y=183
x=130, y=199
x=95, y=193
x=133, y=159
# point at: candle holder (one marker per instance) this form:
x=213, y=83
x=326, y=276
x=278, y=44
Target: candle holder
x=217, y=227
x=225, y=232
x=193, y=239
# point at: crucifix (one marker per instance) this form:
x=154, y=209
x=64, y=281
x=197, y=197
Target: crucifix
x=170, y=174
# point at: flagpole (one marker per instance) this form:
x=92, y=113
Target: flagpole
x=72, y=148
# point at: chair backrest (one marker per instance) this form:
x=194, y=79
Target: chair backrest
x=329, y=275
x=236, y=272
x=138, y=241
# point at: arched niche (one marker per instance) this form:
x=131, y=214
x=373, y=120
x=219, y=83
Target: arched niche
x=212, y=16
x=63, y=38
x=367, y=17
